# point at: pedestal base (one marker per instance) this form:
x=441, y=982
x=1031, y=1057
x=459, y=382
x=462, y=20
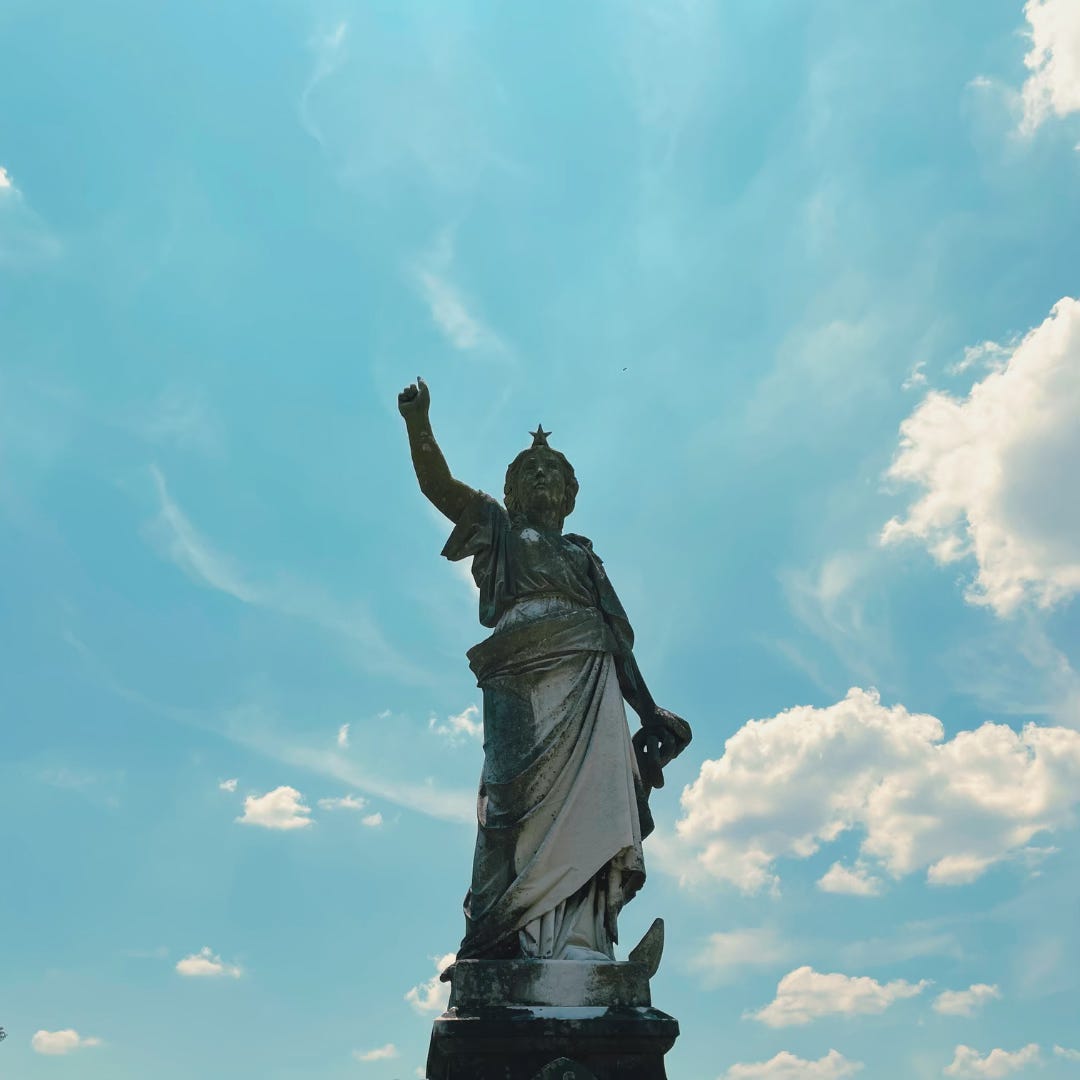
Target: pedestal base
x=550, y=1020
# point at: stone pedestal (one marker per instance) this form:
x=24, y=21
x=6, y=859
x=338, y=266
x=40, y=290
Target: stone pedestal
x=550, y=1020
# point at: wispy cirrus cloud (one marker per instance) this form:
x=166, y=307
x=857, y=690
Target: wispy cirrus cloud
x=452, y=313
x=329, y=50
x=251, y=727
x=178, y=540
x=723, y=956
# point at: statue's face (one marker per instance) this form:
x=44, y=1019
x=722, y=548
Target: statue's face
x=540, y=481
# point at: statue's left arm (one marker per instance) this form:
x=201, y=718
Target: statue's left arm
x=663, y=735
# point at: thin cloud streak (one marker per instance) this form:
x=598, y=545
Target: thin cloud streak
x=445, y=804
x=180, y=542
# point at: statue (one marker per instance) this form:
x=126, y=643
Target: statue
x=563, y=801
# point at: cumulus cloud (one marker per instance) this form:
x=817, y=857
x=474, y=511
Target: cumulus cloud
x=61, y=1042
x=1053, y=87
x=372, y=821
x=804, y=995
x=791, y=783
x=206, y=964
x=345, y=802
x=278, y=809
x=432, y=996
x=383, y=1053
x=343, y=736
x=965, y=1002
x=1067, y=1054
x=5, y=180
x=969, y=1063
x=855, y=882
x=466, y=725
x=997, y=469
x=786, y=1066
x=725, y=954
x=228, y=785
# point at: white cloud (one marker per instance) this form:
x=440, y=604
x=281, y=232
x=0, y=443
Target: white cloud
x=968, y=1063
x=61, y=1042
x=788, y=784
x=449, y=309
x=432, y=996
x=805, y=994
x=205, y=964
x=228, y=785
x=343, y=736
x=725, y=954
x=383, y=1053
x=997, y=468
x=466, y=725
x=916, y=377
x=372, y=821
x=786, y=1066
x=965, y=1002
x=345, y=802
x=278, y=809
x=329, y=50
x=1053, y=87
x=5, y=180
x=1067, y=1054
x=857, y=882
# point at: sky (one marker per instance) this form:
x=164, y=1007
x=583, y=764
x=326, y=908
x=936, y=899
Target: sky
x=795, y=287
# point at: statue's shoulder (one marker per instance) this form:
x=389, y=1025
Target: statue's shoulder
x=582, y=542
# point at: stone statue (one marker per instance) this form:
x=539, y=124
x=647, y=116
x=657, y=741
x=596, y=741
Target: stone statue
x=563, y=800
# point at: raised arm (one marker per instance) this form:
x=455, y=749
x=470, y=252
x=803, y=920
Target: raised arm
x=447, y=495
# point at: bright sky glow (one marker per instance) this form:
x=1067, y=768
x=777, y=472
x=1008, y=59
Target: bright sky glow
x=794, y=286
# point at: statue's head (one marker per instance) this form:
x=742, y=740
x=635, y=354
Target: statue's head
x=540, y=482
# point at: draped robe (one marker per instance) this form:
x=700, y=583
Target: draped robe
x=561, y=809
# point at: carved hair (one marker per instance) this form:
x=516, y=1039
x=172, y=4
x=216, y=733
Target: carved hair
x=570, y=484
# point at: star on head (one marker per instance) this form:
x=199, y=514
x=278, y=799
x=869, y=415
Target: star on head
x=540, y=436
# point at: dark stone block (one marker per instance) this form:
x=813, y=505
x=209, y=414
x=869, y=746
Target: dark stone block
x=532, y=1042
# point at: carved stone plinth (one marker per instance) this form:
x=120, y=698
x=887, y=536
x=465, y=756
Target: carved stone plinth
x=550, y=1020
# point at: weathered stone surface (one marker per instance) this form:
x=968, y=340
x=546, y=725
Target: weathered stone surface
x=486, y=983
x=520, y=1042
x=564, y=1069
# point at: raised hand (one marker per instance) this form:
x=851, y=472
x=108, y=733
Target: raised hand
x=414, y=401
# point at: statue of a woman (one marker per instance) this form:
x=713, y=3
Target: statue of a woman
x=563, y=801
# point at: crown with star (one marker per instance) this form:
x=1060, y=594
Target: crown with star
x=540, y=437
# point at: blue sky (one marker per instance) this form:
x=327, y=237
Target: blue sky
x=794, y=285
